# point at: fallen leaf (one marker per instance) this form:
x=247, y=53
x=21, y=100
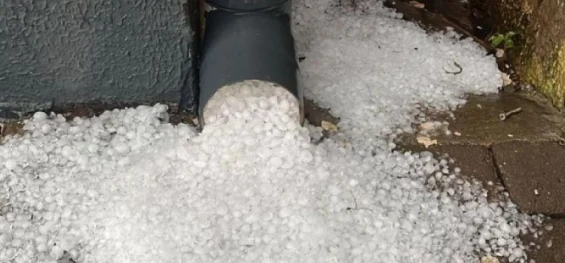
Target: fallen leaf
x=506, y=79
x=489, y=259
x=426, y=141
x=417, y=4
x=328, y=126
x=427, y=126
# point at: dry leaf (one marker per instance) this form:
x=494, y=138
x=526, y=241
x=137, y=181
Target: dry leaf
x=489, y=259
x=417, y=4
x=328, y=126
x=506, y=79
x=426, y=141
x=427, y=126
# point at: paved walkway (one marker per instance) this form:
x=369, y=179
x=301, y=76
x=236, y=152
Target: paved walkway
x=524, y=154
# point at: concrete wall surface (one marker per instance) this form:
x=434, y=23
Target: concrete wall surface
x=58, y=52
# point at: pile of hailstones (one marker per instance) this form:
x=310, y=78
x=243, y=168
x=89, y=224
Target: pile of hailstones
x=127, y=186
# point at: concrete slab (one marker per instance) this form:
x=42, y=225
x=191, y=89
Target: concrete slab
x=534, y=175
x=478, y=122
x=549, y=247
x=522, y=152
x=475, y=162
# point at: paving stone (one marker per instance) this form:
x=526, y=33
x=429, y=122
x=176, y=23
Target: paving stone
x=551, y=243
x=478, y=121
x=475, y=162
x=534, y=174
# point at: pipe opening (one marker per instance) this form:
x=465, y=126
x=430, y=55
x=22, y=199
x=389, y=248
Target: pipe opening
x=245, y=6
x=246, y=44
x=251, y=98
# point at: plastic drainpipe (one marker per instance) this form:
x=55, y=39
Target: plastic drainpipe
x=248, y=40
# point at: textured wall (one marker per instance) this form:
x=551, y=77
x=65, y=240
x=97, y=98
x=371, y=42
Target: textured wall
x=64, y=51
x=538, y=55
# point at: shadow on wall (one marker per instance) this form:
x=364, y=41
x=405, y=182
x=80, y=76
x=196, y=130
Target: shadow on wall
x=59, y=52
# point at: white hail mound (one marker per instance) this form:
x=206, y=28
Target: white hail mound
x=129, y=187
x=376, y=72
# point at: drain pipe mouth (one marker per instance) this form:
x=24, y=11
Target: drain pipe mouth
x=248, y=41
x=250, y=6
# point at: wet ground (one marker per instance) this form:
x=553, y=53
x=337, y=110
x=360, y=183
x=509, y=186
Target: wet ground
x=524, y=154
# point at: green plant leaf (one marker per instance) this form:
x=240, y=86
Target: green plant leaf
x=510, y=34
x=508, y=44
x=496, y=40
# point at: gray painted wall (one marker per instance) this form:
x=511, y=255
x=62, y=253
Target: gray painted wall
x=67, y=51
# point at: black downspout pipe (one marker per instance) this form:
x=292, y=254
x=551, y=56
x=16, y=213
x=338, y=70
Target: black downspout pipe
x=248, y=40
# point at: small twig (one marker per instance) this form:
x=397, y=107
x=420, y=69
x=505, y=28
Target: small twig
x=503, y=116
x=455, y=72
